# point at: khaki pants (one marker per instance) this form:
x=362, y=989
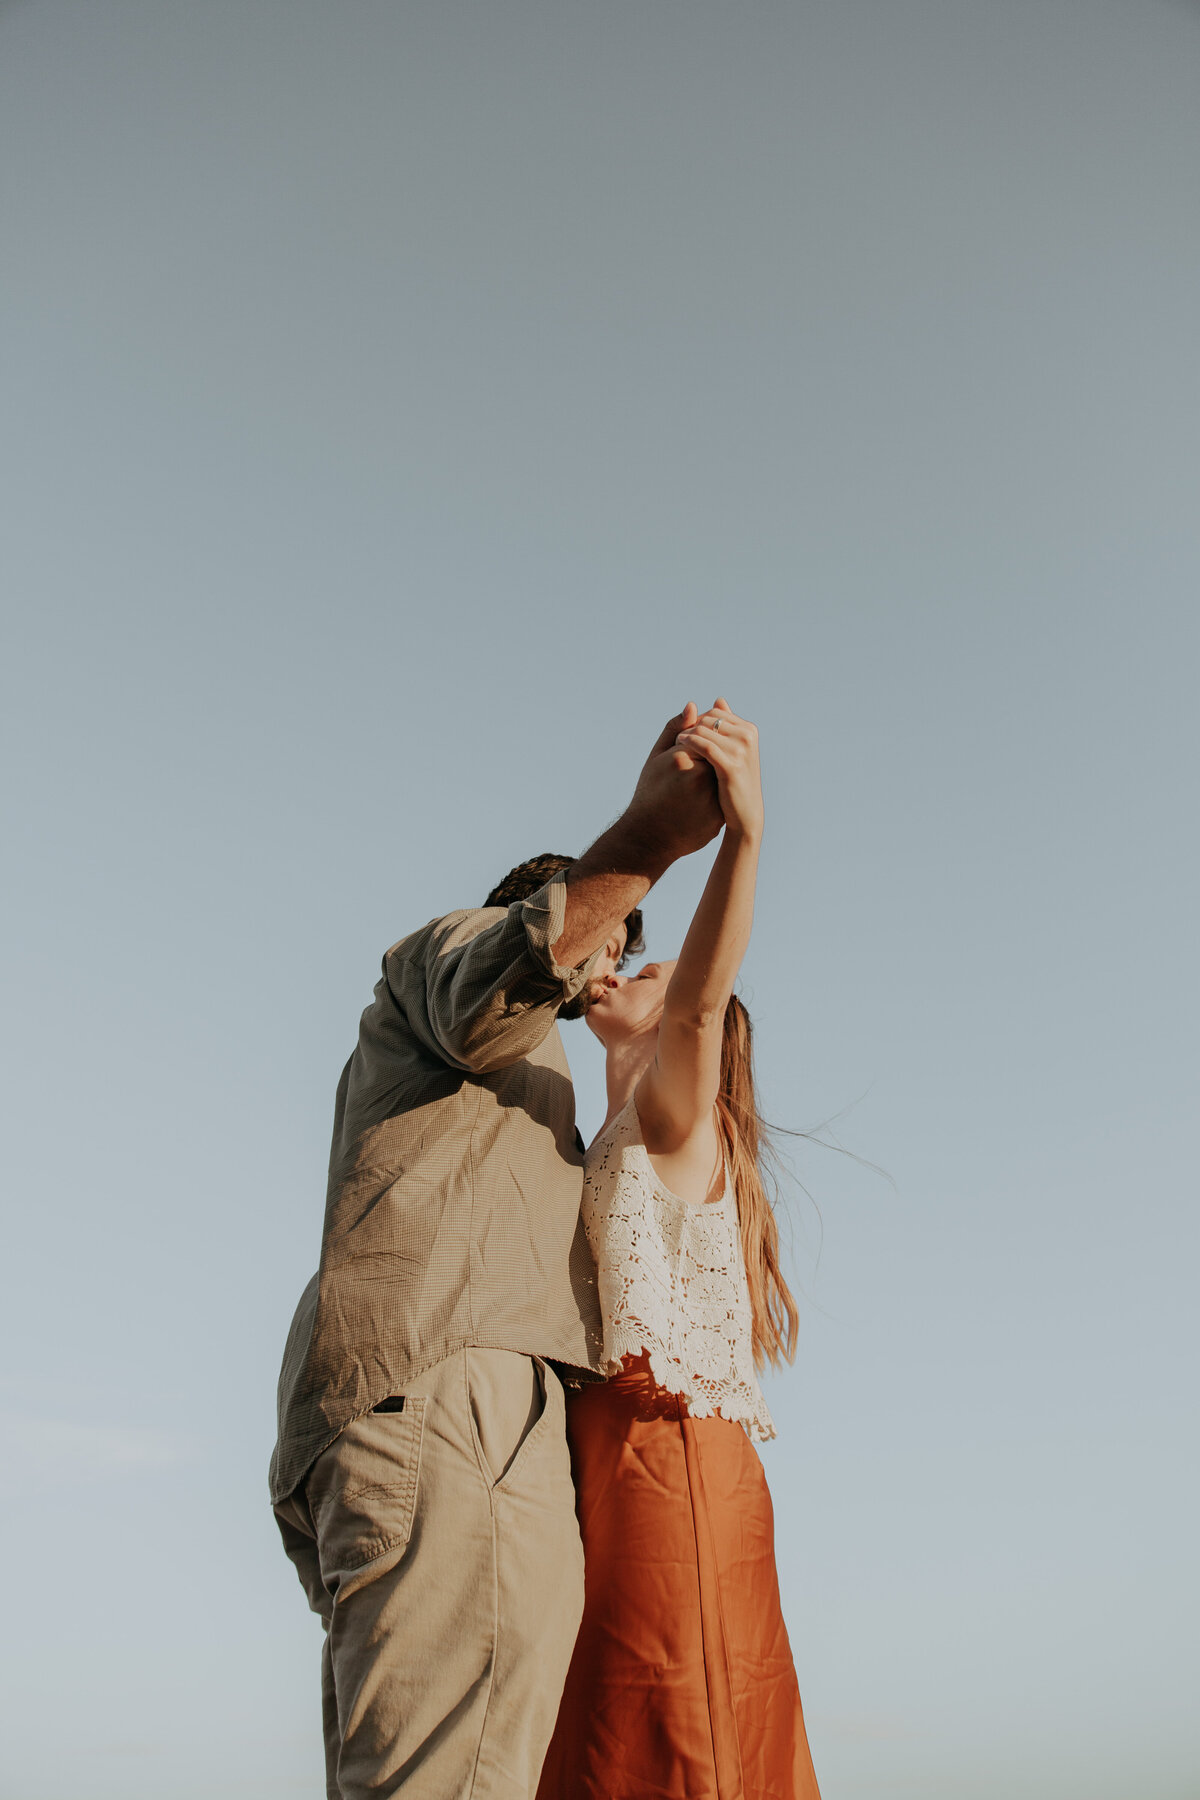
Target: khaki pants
x=439, y=1545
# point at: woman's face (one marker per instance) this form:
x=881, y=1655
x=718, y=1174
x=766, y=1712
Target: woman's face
x=630, y=1004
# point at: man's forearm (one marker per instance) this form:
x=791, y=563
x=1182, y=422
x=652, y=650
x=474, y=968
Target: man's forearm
x=605, y=885
x=674, y=811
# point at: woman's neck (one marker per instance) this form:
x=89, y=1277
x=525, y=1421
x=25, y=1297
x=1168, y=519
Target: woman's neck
x=626, y=1063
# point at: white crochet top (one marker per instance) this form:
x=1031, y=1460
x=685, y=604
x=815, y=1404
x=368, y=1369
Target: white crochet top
x=672, y=1280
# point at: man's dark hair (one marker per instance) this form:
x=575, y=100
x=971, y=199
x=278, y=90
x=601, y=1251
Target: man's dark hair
x=529, y=876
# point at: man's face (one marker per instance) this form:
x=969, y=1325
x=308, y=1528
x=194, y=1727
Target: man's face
x=607, y=964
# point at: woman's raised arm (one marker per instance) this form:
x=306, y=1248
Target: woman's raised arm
x=675, y=1096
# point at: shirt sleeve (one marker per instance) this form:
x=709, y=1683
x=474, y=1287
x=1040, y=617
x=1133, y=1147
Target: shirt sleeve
x=481, y=988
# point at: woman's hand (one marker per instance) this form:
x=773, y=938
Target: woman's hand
x=730, y=746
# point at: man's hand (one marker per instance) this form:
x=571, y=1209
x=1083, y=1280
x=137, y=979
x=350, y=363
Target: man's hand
x=674, y=811
x=676, y=801
x=730, y=746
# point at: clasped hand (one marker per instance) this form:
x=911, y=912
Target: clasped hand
x=729, y=745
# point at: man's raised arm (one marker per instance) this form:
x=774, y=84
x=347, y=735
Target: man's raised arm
x=674, y=811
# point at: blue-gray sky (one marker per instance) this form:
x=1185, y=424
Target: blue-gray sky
x=406, y=407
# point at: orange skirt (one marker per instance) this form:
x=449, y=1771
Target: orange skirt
x=682, y=1685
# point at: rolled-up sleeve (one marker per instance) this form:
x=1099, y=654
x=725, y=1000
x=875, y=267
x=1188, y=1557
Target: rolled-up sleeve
x=482, y=988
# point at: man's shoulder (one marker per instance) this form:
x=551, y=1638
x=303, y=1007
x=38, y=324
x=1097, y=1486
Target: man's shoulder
x=448, y=929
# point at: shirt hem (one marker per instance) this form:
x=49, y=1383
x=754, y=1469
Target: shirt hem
x=669, y=1375
x=570, y=1368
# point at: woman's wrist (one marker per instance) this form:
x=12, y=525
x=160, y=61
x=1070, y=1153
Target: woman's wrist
x=743, y=835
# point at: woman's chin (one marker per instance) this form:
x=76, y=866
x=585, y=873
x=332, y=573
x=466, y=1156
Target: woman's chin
x=604, y=1018
x=594, y=1025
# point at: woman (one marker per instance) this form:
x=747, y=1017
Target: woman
x=682, y=1685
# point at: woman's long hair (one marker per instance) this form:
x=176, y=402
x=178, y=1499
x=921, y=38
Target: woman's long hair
x=743, y=1136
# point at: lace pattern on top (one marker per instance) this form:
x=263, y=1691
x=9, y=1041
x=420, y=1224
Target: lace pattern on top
x=672, y=1281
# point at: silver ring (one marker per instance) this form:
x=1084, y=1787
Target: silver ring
x=716, y=724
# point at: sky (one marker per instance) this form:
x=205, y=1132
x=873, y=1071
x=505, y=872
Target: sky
x=406, y=407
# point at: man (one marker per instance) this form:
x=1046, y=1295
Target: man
x=421, y=1479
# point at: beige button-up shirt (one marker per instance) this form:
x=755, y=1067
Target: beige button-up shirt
x=455, y=1178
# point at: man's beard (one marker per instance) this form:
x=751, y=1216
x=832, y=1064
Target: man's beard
x=579, y=1007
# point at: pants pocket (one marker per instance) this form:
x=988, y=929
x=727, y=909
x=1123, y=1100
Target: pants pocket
x=362, y=1492
x=546, y=1436
x=507, y=1396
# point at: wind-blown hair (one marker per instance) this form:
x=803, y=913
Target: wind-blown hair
x=744, y=1139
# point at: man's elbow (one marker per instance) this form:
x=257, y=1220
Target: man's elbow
x=484, y=1046
x=478, y=1054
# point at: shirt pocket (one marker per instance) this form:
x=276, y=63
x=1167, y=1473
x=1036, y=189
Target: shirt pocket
x=365, y=1497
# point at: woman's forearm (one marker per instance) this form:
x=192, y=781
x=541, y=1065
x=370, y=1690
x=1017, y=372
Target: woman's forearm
x=675, y=1096
x=719, y=934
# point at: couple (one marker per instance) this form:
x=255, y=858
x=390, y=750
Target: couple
x=474, y=1260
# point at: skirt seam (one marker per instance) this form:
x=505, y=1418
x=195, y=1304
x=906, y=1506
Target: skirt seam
x=691, y=1454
